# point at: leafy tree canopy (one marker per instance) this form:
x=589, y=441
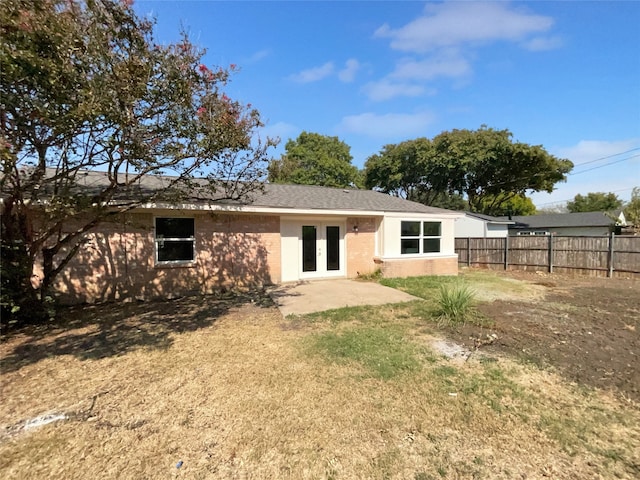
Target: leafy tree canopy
x=450, y=201
x=485, y=166
x=498, y=205
x=594, y=202
x=632, y=209
x=314, y=159
x=404, y=170
x=85, y=86
x=558, y=208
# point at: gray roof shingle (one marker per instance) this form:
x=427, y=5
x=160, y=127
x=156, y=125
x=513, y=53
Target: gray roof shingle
x=556, y=220
x=489, y=218
x=305, y=197
x=324, y=198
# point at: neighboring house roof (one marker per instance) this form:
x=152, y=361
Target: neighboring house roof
x=621, y=219
x=557, y=220
x=302, y=197
x=490, y=219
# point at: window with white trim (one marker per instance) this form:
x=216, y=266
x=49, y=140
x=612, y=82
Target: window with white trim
x=175, y=240
x=420, y=237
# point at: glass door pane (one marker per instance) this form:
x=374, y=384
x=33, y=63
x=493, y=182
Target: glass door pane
x=333, y=248
x=309, y=237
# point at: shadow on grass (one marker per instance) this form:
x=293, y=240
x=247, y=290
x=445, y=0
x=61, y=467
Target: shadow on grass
x=92, y=332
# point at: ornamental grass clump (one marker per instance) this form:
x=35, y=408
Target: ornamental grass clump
x=455, y=303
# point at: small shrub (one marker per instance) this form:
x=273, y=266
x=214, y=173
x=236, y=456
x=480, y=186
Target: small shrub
x=374, y=276
x=455, y=303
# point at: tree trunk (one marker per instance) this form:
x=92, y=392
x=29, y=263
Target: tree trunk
x=19, y=299
x=47, y=272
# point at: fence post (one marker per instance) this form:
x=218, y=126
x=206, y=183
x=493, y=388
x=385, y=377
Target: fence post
x=610, y=255
x=468, y=251
x=506, y=252
x=551, y=252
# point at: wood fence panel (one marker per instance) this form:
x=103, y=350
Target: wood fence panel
x=461, y=247
x=487, y=251
x=586, y=255
x=627, y=254
x=581, y=253
x=529, y=252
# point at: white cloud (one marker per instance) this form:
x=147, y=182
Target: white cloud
x=443, y=38
x=407, y=80
x=386, y=89
x=259, y=55
x=540, y=44
x=348, y=73
x=447, y=65
x=592, y=157
x=567, y=191
x=458, y=23
x=281, y=130
x=589, y=150
x=387, y=126
x=313, y=74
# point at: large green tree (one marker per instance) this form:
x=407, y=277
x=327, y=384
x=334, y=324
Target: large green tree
x=314, y=159
x=487, y=163
x=498, y=206
x=407, y=170
x=594, y=202
x=85, y=86
x=485, y=166
x=632, y=209
x=410, y=170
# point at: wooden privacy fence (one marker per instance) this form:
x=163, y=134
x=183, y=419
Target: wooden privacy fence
x=599, y=256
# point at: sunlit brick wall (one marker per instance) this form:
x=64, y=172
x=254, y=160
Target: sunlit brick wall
x=360, y=246
x=412, y=267
x=118, y=259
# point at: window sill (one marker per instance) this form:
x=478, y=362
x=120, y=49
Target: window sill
x=176, y=264
x=418, y=256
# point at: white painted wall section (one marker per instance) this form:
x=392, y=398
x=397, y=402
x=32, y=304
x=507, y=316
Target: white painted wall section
x=290, y=255
x=475, y=227
x=391, y=228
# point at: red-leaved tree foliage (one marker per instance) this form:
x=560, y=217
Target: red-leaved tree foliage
x=85, y=87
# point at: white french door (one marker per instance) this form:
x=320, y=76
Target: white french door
x=322, y=250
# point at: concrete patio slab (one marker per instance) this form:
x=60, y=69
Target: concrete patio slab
x=319, y=295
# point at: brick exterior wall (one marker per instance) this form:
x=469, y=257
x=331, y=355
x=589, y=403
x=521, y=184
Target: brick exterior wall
x=411, y=267
x=232, y=251
x=118, y=260
x=360, y=246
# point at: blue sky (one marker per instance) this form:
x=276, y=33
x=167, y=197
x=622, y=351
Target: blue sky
x=565, y=75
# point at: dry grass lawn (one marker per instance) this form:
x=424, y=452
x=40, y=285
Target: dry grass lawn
x=235, y=391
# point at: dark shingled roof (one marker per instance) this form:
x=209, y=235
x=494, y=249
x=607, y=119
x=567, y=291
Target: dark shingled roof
x=306, y=197
x=489, y=218
x=324, y=198
x=556, y=220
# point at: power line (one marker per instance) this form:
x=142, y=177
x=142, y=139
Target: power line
x=604, y=158
x=507, y=182
x=570, y=199
x=605, y=165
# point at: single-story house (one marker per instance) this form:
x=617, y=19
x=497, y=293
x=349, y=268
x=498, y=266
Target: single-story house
x=478, y=225
x=286, y=234
x=572, y=224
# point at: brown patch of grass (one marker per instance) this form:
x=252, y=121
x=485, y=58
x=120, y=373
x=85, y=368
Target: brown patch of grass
x=240, y=397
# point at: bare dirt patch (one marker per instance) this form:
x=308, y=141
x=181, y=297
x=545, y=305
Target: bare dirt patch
x=227, y=388
x=588, y=329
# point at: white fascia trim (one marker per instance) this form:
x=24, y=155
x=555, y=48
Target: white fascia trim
x=260, y=210
x=407, y=215
x=291, y=211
